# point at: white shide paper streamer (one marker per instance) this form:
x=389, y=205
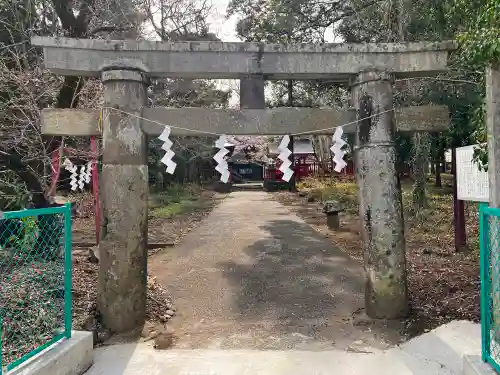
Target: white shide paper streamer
x=338, y=154
x=81, y=180
x=88, y=173
x=69, y=166
x=167, y=147
x=285, y=152
x=222, y=166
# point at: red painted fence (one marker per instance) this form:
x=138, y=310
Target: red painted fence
x=309, y=170
x=56, y=170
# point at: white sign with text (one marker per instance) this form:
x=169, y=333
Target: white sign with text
x=472, y=184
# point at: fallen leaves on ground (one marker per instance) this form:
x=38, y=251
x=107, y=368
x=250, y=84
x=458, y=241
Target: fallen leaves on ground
x=85, y=278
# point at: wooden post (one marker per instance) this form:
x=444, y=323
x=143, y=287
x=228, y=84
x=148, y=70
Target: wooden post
x=293, y=181
x=124, y=205
x=458, y=209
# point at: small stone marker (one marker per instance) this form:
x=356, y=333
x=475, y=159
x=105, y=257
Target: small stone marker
x=332, y=210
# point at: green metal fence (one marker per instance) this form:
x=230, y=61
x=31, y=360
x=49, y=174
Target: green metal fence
x=489, y=229
x=35, y=282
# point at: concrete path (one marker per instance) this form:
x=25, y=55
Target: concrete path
x=254, y=275
x=438, y=352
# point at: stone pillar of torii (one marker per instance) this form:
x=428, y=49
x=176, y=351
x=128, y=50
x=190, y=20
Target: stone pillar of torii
x=125, y=68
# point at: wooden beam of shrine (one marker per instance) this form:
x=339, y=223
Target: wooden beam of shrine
x=334, y=62
x=276, y=121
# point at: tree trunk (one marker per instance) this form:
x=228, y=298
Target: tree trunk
x=437, y=172
x=321, y=147
x=435, y=145
x=420, y=158
x=442, y=158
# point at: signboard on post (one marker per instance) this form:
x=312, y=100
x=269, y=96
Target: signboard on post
x=472, y=184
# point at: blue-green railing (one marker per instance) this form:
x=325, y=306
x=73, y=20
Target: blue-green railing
x=35, y=282
x=489, y=229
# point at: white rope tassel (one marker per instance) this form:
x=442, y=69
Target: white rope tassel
x=222, y=166
x=167, y=147
x=338, y=154
x=285, y=152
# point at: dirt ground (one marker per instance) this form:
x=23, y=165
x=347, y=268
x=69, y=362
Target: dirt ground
x=443, y=284
x=254, y=275
x=169, y=222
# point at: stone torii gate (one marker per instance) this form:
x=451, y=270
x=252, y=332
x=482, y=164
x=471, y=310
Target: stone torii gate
x=125, y=67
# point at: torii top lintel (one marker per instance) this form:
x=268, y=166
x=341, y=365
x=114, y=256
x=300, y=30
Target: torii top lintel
x=220, y=60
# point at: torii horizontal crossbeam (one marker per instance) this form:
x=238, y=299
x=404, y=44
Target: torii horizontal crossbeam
x=277, y=121
x=220, y=60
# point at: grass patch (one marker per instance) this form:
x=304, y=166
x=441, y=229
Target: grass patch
x=175, y=200
x=323, y=190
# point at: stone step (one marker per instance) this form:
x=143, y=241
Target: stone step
x=248, y=186
x=67, y=357
x=473, y=365
x=438, y=352
x=131, y=359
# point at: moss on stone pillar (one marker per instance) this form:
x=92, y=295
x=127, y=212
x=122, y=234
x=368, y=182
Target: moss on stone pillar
x=124, y=194
x=379, y=193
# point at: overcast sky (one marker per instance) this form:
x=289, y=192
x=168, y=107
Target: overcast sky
x=225, y=29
